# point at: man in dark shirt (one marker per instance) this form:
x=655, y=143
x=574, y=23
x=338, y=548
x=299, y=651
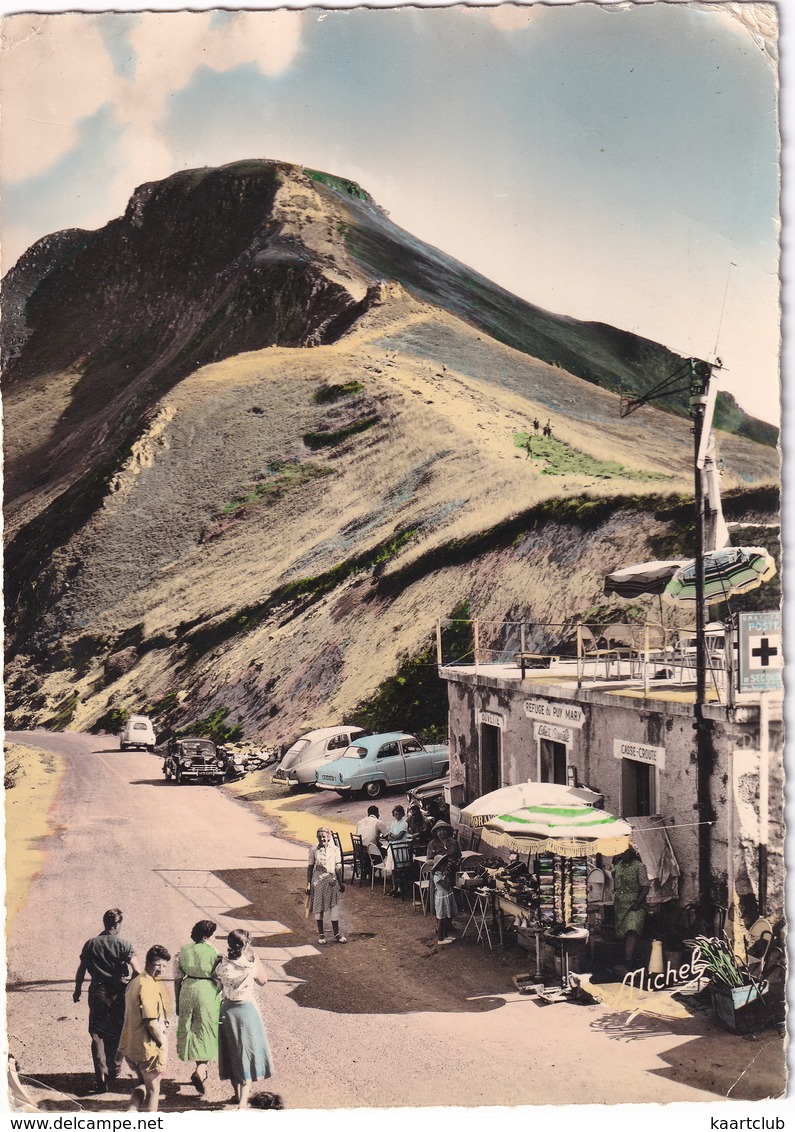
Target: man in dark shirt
x=108, y=959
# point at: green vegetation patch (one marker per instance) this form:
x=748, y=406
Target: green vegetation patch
x=283, y=476
x=64, y=713
x=562, y=460
x=299, y=593
x=339, y=184
x=326, y=394
x=415, y=698
x=214, y=727
x=328, y=439
x=111, y=722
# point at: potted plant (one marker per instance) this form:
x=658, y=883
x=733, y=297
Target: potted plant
x=734, y=989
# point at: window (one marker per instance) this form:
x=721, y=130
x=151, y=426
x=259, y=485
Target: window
x=411, y=746
x=387, y=750
x=336, y=742
x=638, y=793
x=552, y=761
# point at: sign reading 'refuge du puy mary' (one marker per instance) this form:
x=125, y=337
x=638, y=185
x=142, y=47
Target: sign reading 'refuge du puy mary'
x=554, y=711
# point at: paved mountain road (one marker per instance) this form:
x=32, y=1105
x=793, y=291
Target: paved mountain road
x=122, y=837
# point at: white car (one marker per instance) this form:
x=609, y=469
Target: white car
x=137, y=732
x=311, y=751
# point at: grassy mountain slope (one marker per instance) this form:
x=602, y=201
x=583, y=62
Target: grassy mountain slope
x=247, y=470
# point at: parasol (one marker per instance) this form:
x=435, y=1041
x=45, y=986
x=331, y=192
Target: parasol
x=643, y=577
x=509, y=798
x=569, y=831
x=733, y=570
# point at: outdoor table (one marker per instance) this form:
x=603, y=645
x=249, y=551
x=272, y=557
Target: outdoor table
x=565, y=943
x=478, y=902
x=527, y=660
x=509, y=907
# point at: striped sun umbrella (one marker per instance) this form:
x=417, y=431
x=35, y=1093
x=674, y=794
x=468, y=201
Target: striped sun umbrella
x=733, y=570
x=570, y=831
x=643, y=577
x=509, y=798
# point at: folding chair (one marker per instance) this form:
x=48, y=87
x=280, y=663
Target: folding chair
x=421, y=894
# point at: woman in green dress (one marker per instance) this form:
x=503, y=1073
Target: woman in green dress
x=631, y=888
x=198, y=1002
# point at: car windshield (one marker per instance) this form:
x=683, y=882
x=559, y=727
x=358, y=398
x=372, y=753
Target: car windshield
x=139, y=727
x=197, y=747
x=349, y=753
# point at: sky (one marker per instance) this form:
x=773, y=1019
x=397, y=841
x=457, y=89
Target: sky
x=612, y=163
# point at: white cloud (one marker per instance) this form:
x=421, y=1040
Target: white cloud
x=55, y=71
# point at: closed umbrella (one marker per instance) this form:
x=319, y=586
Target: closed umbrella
x=569, y=831
x=643, y=577
x=509, y=798
x=733, y=570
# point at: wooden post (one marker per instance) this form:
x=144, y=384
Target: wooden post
x=764, y=796
x=438, y=642
x=476, y=639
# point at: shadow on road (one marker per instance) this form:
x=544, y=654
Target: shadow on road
x=391, y=963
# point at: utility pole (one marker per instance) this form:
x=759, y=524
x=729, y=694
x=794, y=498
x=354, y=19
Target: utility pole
x=701, y=407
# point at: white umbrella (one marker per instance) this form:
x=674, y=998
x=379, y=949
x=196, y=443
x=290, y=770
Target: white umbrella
x=509, y=798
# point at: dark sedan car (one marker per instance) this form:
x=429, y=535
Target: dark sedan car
x=194, y=760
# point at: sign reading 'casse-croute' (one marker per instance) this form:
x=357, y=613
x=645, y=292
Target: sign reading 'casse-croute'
x=639, y=752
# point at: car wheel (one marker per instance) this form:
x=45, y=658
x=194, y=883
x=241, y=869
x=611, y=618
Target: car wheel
x=374, y=789
x=122, y=746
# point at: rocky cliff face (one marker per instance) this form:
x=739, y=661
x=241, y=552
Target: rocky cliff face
x=258, y=440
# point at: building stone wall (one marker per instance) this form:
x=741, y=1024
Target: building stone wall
x=590, y=722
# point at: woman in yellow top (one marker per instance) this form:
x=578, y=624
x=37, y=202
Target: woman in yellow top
x=144, y=1036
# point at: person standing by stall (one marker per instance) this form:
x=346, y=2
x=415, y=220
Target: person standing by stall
x=631, y=884
x=444, y=902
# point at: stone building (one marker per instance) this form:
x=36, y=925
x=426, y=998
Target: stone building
x=637, y=747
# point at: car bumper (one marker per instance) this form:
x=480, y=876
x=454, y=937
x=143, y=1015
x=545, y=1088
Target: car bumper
x=191, y=772
x=338, y=786
x=282, y=780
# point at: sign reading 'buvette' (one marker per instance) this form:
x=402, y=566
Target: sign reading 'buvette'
x=552, y=711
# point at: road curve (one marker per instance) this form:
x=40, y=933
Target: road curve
x=122, y=837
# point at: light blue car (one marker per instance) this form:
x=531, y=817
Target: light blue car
x=375, y=762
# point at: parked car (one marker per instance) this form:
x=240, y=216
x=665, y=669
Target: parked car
x=303, y=759
x=137, y=732
x=374, y=762
x=194, y=760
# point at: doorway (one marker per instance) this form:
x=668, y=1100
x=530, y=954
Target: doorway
x=638, y=789
x=552, y=759
x=490, y=758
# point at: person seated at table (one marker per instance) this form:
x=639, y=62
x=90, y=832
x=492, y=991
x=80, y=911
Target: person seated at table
x=443, y=841
x=438, y=809
x=371, y=829
x=418, y=825
x=397, y=834
x=444, y=902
